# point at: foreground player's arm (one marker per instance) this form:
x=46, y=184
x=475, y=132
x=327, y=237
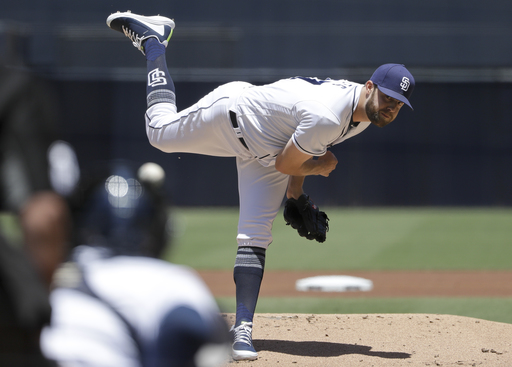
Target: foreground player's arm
x=291, y=161
x=184, y=334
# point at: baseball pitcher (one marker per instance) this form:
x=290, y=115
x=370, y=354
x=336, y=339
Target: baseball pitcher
x=279, y=133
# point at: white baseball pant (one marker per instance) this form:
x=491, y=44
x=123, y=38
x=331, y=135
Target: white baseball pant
x=205, y=128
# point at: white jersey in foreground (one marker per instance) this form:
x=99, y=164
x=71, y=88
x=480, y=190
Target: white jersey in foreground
x=120, y=317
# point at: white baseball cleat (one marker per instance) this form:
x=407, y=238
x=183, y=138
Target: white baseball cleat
x=243, y=349
x=139, y=28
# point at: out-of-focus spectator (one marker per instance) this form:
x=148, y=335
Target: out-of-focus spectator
x=24, y=309
x=46, y=226
x=25, y=278
x=29, y=121
x=116, y=303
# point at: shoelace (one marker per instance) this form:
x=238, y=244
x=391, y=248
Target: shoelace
x=136, y=40
x=243, y=333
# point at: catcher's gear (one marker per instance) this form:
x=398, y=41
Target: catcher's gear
x=125, y=210
x=304, y=216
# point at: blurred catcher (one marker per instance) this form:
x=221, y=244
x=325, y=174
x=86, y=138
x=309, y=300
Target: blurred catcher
x=117, y=304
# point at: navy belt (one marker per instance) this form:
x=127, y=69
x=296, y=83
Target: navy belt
x=238, y=132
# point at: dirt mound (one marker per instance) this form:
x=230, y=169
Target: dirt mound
x=379, y=340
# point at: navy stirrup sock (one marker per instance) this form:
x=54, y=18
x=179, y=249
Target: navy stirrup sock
x=160, y=86
x=153, y=49
x=248, y=274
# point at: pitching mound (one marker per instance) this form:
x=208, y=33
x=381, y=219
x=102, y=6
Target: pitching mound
x=379, y=340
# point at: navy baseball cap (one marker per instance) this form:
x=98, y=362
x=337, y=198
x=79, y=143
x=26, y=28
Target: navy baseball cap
x=395, y=81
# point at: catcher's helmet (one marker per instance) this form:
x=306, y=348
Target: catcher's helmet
x=123, y=209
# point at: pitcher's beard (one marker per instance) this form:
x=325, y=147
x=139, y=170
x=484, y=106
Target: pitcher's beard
x=372, y=112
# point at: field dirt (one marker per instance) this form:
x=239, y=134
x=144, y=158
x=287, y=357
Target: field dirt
x=373, y=339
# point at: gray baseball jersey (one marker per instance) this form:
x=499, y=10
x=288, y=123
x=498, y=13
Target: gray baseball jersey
x=315, y=113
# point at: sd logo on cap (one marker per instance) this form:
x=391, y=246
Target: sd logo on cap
x=395, y=81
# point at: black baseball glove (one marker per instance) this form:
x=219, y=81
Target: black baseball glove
x=303, y=215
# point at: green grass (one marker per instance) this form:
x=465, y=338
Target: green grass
x=10, y=228
x=492, y=309
x=364, y=239
x=359, y=239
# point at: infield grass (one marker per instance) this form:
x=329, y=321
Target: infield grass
x=363, y=239
x=492, y=309
x=358, y=239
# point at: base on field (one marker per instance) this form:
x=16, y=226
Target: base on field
x=334, y=283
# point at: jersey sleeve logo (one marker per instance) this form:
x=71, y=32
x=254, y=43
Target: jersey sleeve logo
x=316, y=81
x=156, y=77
